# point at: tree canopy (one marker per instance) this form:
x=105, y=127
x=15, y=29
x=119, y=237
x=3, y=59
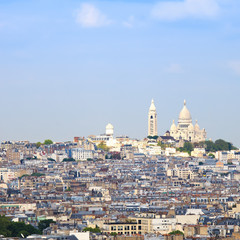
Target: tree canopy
x=69, y=160
x=48, y=142
x=153, y=137
x=187, y=147
x=177, y=232
x=218, y=145
x=15, y=229
x=44, y=224
x=103, y=146
x=37, y=174
x=93, y=230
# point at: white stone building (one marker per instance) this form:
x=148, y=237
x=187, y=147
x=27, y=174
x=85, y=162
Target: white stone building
x=81, y=154
x=185, y=129
x=152, y=120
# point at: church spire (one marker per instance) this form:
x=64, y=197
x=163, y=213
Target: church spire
x=152, y=120
x=152, y=106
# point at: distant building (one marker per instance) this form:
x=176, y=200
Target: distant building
x=185, y=129
x=109, y=130
x=152, y=120
x=14, y=155
x=81, y=154
x=103, y=137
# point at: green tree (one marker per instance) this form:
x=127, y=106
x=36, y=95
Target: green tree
x=162, y=145
x=113, y=234
x=38, y=144
x=153, y=137
x=68, y=160
x=48, y=142
x=23, y=233
x=177, y=232
x=14, y=229
x=218, y=145
x=24, y=175
x=68, y=189
x=93, y=230
x=4, y=224
x=211, y=155
x=37, y=174
x=221, y=145
x=210, y=147
x=103, y=146
x=43, y=224
x=188, y=147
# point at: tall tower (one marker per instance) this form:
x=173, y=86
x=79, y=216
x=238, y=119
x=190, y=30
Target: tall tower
x=152, y=120
x=109, y=130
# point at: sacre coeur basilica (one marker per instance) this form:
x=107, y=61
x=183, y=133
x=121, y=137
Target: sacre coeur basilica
x=184, y=130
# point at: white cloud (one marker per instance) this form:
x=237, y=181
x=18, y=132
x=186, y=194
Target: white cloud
x=174, y=68
x=235, y=66
x=130, y=22
x=89, y=16
x=169, y=10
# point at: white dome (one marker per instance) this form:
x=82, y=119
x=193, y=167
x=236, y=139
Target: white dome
x=184, y=115
x=197, y=128
x=191, y=127
x=109, y=126
x=109, y=129
x=173, y=127
x=152, y=106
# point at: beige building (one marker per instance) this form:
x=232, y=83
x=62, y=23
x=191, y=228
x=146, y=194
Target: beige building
x=183, y=173
x=142, y=224
x=14, y=155
x=191, y=231
x=185, y=129
x=198, y=152
x=152, y=120
x=128, y=228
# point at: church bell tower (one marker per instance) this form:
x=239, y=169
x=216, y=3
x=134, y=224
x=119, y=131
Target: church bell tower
x=152, y=120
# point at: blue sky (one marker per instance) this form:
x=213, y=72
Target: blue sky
x=69, y=67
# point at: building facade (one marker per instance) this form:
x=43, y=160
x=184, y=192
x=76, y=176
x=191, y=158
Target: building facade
x=152, y=120
x=81, y=154
x=185, y=129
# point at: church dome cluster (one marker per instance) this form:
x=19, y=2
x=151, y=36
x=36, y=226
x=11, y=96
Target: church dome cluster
x=185, y=129
x=173, y=127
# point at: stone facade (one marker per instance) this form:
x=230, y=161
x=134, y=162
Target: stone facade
x=185, y=129
x=152, y=120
